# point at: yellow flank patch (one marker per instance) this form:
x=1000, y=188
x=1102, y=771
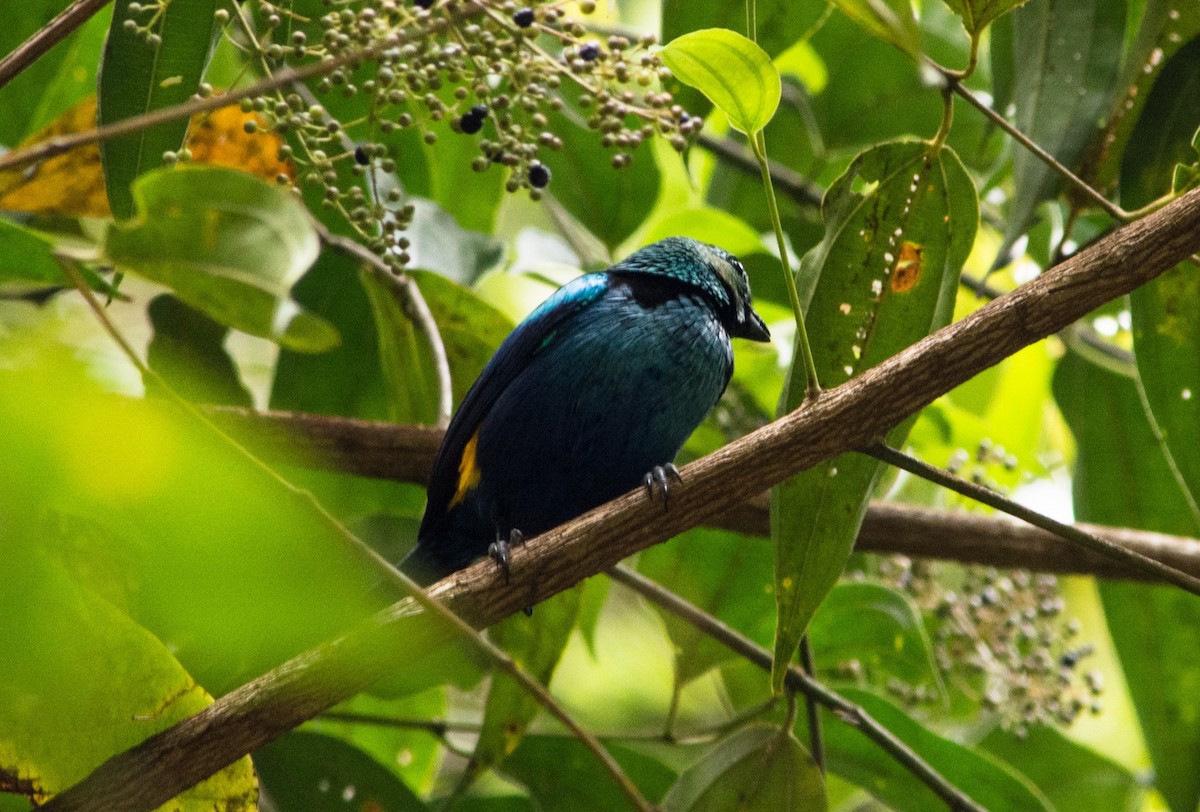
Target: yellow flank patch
x=468, y=471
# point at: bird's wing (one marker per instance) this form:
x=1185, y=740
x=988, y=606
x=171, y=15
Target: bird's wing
x=454, y=470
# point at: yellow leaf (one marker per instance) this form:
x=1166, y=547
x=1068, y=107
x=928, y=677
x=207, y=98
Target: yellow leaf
x=72, y=184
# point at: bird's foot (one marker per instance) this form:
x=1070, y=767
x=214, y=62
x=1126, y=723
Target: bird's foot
x=662, y=474
x=500, y=549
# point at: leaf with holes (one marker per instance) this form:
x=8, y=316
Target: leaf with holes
x=898, y=227
x=733, y=72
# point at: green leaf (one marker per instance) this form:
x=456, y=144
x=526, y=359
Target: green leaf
x=188, y=351
x=165, y=519
x=471, y=328
x=978, y=14
x=857, y=759
x=28, y=256
x=780, y=22
x=1166, y=335
x=1164, y=131
x=313, y=771
x=410, y=381
x=137, y=77
x=899, y=225
x=351, y=374
x=1165, y=26
x=878, y=626
x=228, y=244
x=757, y=768
x=1063, y=85
x=733, y=72
x=889, y=20
x=1074, y=778
x=535, y=643
x=82, y=681
x=409, y=752
x=726, y=574
x=1154, y=628
x=563, y=776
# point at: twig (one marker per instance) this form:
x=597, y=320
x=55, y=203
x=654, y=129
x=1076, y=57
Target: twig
x=790, y=182
x=841, y=420
x=47, y=37
x=797, y=680
x=414, y=306
x=405, y=454
x=954, y=83
x=815, y=739
x=989, y=497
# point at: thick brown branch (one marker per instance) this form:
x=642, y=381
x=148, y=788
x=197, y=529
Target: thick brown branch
x=849, y=417
x=405, y=454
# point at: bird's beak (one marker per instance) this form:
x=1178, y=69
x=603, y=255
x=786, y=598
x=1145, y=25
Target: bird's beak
x=754, y=328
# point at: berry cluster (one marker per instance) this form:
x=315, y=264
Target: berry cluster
x=1001, y=636
x=509, y=74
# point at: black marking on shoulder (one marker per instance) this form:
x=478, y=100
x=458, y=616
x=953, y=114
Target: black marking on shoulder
x=653, y=290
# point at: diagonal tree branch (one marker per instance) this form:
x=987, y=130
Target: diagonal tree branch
x=849, y=417
x=405, y=454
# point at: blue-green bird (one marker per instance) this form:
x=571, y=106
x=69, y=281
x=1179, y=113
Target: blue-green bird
x=595, y=392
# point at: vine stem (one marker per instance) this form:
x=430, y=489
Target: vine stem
x=1088, y=541
x=797, y=680
x=758, y=144
x=447, y=617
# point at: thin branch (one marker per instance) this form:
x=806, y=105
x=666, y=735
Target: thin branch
x=283, y=78
x=843, y=419
x=797, y=680
x=790, y=182
x=1074, y=535
x=47, y=37
x=405, y=454
x=815, y=739
x=1000, y=121
x=413, y=304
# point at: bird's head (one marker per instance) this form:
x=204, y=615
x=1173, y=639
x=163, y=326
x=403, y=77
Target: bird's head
x=714, y=270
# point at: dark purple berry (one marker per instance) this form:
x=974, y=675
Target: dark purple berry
x=523, y=17
x=360, y=156
x=424, y=3
x=479, y=111
x=539, y=175
x=470, y=124
x=589, y=51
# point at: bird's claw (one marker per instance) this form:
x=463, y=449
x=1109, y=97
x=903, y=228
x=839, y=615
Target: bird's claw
x=500, y=549
x=662, y=474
